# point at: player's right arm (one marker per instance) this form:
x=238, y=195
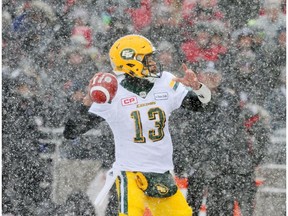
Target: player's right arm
x=81, y=123
x=83, y=120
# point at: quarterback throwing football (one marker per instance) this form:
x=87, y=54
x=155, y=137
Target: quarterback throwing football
x=138, y=116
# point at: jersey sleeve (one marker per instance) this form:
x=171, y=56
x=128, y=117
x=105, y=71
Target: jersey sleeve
x=178, y=92
x=103, y=110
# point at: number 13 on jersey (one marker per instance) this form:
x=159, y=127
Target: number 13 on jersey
x=154, y=134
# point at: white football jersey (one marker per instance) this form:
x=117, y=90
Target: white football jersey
x=140, y=125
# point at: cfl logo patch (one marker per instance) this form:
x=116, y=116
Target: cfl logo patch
x=127, y=54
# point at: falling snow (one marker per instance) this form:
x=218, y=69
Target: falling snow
x=233, y=152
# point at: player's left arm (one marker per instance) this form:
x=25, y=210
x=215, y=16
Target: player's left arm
x=198, y=94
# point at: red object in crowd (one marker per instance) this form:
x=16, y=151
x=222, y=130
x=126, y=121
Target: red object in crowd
x=181, y=182
x=251, y=121
x=68, y=5
x=141, y=17
x=187, y=7
x=236, y=210
x=84, y=31
x=168, y=2
x=202, y=210
x=194, y=53
x=259, y=182
x=70, y=2
x=27, y=5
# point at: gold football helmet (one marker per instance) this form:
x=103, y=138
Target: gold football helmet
x=131, y=54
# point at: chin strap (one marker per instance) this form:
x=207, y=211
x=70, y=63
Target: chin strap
x=150, y=79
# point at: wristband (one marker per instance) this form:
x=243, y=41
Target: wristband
x=203, y=93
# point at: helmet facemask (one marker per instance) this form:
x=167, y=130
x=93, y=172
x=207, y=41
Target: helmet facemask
x=151, y=67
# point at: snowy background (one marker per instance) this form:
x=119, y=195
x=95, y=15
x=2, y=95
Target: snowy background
x=50, y=50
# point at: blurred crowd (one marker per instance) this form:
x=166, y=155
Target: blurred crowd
x=51, y=49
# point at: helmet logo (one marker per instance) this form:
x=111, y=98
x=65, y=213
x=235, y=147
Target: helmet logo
x=127, y=54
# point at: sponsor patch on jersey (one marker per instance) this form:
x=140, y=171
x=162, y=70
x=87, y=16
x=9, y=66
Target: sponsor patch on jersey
x=161, y=96
x=174, y=85
x=129, y=101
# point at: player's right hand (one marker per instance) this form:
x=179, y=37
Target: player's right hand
x=87, y=101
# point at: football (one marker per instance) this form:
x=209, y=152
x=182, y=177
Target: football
x=103, y=87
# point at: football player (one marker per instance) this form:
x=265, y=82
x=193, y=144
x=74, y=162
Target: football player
x=138, y=116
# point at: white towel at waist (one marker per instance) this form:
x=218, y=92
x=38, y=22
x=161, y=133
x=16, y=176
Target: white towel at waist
x=111, y=176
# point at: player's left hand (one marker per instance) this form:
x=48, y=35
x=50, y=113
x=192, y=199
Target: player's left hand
x=189, y=79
